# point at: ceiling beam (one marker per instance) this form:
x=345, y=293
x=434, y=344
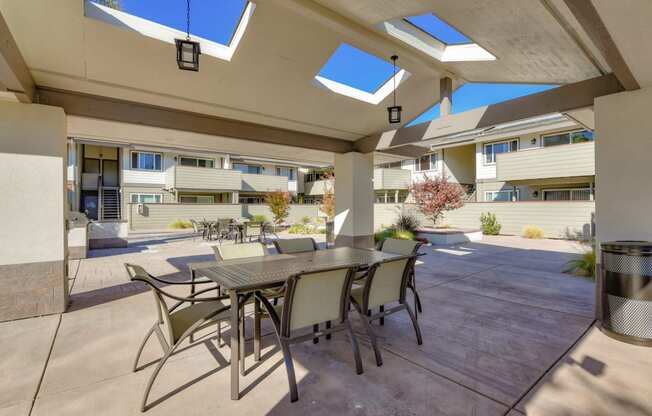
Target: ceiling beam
x=587, y=15
x=565, y=98
x=105, y=108
x=14, y=74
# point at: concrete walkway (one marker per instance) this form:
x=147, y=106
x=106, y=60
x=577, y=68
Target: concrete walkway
x=504, y=333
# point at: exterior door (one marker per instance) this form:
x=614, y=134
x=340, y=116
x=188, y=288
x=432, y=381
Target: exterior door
x=110, y=173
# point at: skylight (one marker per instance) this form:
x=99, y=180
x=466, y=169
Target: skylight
x=438, y=29
x=217, y=25
x=360, y=75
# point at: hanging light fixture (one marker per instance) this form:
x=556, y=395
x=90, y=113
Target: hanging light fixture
x=188, y=51
x=394, y=111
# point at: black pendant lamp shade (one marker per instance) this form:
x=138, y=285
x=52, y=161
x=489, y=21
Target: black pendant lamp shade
x=188, y=50
x=394, y=112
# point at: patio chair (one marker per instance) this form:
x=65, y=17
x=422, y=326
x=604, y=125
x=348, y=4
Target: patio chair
x=386, y=283
x=175, y=324
x=312, y=298
x=295, y=245
x=198, y=229
x=253, y=229
x=223, y=229
x=406, y=248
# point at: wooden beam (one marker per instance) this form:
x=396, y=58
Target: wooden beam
x=105, y=108
x=587, y=15
x=14, y=74
x=567, y=97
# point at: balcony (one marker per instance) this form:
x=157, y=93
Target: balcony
x=263, y=183
x=391, y=179
x=205, y=179
x=315, y=187
x=566, y=161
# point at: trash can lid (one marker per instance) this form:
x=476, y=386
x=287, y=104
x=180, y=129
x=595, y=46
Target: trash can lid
x=628, y=246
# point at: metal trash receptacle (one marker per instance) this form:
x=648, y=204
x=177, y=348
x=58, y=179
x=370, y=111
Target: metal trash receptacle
x=627, y=291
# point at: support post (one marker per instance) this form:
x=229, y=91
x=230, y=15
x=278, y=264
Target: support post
x=446, y=96
x=354, y=199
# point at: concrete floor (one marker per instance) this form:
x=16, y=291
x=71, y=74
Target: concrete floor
x=504, y=333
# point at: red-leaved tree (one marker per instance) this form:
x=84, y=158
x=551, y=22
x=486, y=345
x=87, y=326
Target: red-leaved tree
x=434, y=196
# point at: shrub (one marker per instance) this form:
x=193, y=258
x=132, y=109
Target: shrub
x=434, y=196
x=393, y=233
x=297, y=229
x=259, y=218
x=532, y=231
x=305, y=220
x=490, y=225
x=403, y=235
x=180, y=224
x=583, y=265
x=407, y=222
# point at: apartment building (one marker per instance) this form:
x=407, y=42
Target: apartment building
x=104, y=178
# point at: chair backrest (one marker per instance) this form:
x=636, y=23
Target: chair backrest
x=239, y=251
x=138, y=274
x=315, y=297
x=404, y=247
x=386, y=282
x=295, y=245
x=223, y=224
x=195, y=228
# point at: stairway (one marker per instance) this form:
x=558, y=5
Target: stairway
x=110, y=204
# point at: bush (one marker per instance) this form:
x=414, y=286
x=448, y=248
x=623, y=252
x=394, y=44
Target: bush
x=180, y=224
x=584, y=265
x=532, y=231
x=393, y=233
x=298, y=229
x=407, y=222
x=259, y=218
x=490, y=225
x=305, y=220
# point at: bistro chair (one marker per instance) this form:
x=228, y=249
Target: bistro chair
x=175, y=324
x=222, y=229
x=386, y=283
x=312, y=298
x=198, y=229
x=295, y=245
x=253, y=229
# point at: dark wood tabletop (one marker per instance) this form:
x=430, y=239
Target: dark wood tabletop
x=254, y=273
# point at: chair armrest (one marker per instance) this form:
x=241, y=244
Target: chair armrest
x=169, y=282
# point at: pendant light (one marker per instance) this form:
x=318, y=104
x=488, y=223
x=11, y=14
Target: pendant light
x=188, y=51
x=394, y=111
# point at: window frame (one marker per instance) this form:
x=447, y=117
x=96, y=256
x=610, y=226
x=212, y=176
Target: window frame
x=568, y=133
x=511, y=191
x=417, y=163
x=139, y=194
x=197, y=159
x=139, y=152
x=508, y=141
x=570, y=194
x=197, y=199
x=293, y=174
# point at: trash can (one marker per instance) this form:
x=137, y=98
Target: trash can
x=627, y=291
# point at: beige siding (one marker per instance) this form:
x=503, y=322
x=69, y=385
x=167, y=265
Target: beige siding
x=391, y=179
x=315, y=188
x=297, y=212
x=549, y=162
x=263, y=183
x=129, y=189
x=459, y=164
x=557, y=219
x=187, y=177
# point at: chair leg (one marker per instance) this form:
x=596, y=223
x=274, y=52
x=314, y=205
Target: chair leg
x=414, y=323
x=372, y=338
x=242, y=341
x=289, y=366
x=315, y=329
x=142, y=346
x=382, y=319
x=356, y=348
x=150, y=383
x=219, y=334
x=328, y=326
x=256, y=330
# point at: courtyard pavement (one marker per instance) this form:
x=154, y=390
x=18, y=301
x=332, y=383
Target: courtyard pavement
x=504, y=331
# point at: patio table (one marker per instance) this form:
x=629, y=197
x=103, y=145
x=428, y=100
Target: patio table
x=243, y=277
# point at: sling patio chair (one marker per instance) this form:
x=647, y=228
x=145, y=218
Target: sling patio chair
x=175, y=324
x=240, y=251
x=253, y=230
x=198, y=229
x=295, y=245
x=312, y=298
x=386, y=283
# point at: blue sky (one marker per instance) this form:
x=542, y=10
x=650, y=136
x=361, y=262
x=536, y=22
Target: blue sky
x=437, y=28
x=474, y=95
x=215, y=20
x=359, y=69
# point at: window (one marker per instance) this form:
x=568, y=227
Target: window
x=438, y=29
x=567, y=138
x=392, y=165
x=196, y=162
x=138, y=198
x=579, y=194
x=426, y=162
x=197, y=199
x=146, y=161
x=316, y=176
x=285, y=171
x=500, y=196
x=252, y=199
x=492, y=149
x=257, y=170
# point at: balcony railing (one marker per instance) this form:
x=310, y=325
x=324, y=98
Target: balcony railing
x=263, y=183
x=564, y=161
x=386, y=178
x=188, y=177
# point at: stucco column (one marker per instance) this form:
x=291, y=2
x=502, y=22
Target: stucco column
x=354, y=199
x=33, y=277
x=446, y=96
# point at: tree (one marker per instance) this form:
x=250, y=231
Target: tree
x=279, y=204
x=328, y=201
x=434, y=196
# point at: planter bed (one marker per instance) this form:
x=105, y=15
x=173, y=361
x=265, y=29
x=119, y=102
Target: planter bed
x=448, y=236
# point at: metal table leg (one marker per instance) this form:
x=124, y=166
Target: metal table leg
x=235, y=345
